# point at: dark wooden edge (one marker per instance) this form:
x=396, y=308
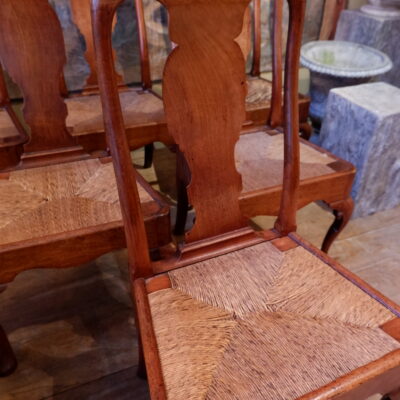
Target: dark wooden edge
x=382, y=374
x=149, y=341
x=353, y=278
x=392, y=328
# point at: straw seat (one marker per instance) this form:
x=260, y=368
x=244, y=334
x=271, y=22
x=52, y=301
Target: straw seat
x=234, y=326
x=42, y=209
x=139, y=108
x=259, y=159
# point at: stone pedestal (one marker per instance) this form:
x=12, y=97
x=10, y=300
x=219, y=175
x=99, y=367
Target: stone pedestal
x=381, y=33
x=362, y=125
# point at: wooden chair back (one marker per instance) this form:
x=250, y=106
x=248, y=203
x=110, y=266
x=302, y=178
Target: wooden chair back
x=275, y=118
x=204, y=97
x=35, y=63
x=81, y=16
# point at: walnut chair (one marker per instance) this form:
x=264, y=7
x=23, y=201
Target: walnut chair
x=265, y=97
x=233, y=313
x=59, y=205
x=143, y=110
x=259, y=159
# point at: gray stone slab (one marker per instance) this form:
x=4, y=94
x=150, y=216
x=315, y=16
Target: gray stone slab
x=378, y=32
x=362, y=125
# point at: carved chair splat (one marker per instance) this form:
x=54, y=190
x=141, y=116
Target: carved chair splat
x=59, y=206
x=232, y=301
x=259, y=158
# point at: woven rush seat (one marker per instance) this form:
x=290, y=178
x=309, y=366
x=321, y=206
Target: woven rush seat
x=234, y=326
x=259, y=93
x=259, y=159
x=139, y=108
x=41, y=202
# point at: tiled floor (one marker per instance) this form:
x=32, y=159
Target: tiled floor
x=73, y=330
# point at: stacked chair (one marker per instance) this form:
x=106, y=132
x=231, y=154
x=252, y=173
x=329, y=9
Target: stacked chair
x=232, y=313
x=259, y=159
x=58, y=197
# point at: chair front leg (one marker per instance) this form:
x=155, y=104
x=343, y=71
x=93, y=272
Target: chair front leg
x=8, y=361
x=342, y=210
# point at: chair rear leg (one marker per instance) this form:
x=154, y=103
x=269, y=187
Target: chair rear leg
x=306, y=130
x=8, y=361
x=148, y=155
x=342, y=211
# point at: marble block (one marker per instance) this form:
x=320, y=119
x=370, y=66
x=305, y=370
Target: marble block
x=381, y=33
x=362, y=125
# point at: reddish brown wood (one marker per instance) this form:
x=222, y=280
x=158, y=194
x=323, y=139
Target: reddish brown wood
x=144, y=47
x=44, y=109
x=4, y=98
x=157, y=283
x=217, y=123
x=286, y=221
x=205, y=249
x=276, y=101
x=256, y=65
x=149, y=342
x=392, y=328
x=204, y=99
x=102, y=13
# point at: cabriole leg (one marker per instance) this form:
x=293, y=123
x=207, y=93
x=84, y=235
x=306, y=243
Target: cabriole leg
x=342, y=211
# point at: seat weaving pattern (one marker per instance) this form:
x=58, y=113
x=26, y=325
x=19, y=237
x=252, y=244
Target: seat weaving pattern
x=138, y=108
x=259, y=159
x=43, y=201
x=259, y=93
x=259, y=323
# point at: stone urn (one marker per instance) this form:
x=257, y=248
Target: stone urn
x=383, y=8
x=336, y=64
